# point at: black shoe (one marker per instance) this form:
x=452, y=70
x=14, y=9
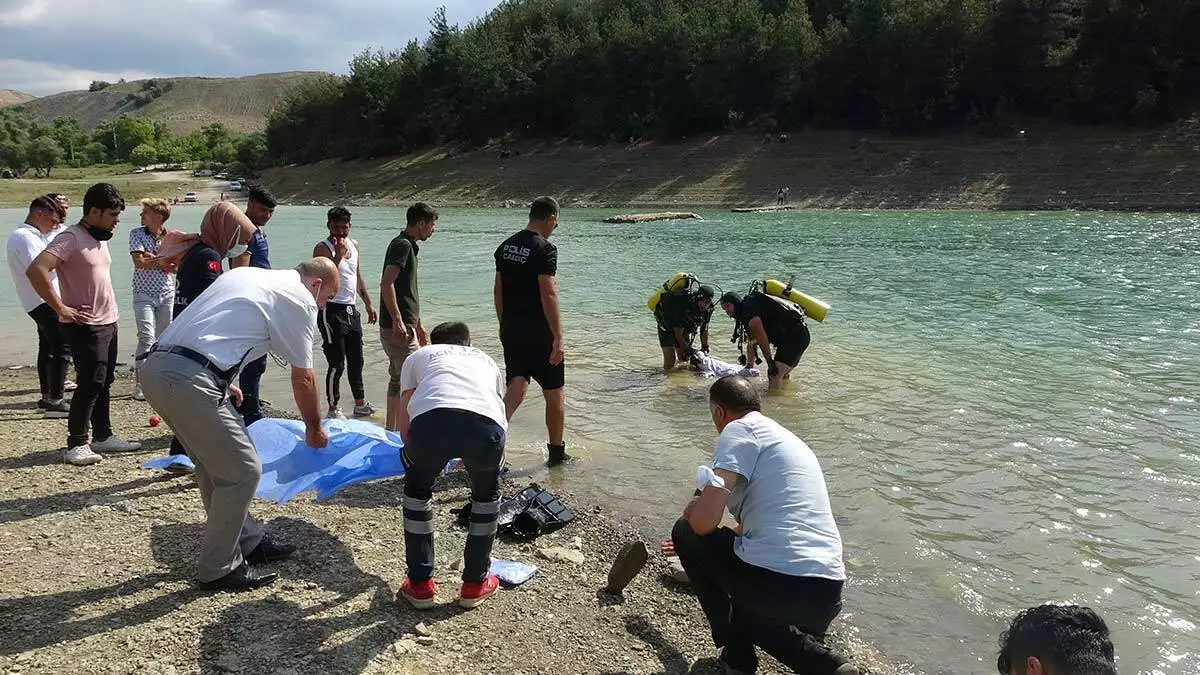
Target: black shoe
x=558, y=454
x=42, y=403
x=269, y=550
x=54, y=411
x=243, y=578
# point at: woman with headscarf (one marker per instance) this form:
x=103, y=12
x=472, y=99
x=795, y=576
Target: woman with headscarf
x=224, y=232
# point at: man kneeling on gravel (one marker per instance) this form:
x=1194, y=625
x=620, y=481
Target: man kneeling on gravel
x=187, y=377
x=774, y=578
x=451, y=406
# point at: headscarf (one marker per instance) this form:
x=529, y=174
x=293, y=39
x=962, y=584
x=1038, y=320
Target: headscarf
x=223, y=226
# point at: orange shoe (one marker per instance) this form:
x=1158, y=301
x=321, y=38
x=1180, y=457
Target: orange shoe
x=421, y=595
x=473, y=593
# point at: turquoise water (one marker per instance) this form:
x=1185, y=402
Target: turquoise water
x=1005, y=404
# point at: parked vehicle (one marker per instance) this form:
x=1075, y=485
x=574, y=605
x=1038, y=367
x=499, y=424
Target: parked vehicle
x=235, y=186
x=190, y=197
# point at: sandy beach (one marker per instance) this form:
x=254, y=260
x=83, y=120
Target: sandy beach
x=96, y=563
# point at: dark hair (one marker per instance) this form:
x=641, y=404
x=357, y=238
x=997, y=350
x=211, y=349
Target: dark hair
x=420, y=213
x=731, y=298
x=707, y=291
x=45, y=203
x=259, y=195
x=1069, y=639
x=735, y=394
x=543, y=208
x=103, y=196
x=451, y=333
x=339, y=214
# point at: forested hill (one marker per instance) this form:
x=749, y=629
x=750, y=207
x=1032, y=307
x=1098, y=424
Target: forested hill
x=611, y=70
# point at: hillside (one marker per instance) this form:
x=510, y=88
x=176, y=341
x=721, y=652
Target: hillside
x=241, y=103
x=13, y=97
x=1068, y=168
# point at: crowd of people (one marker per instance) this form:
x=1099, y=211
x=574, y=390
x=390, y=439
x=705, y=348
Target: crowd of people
x=210, y=309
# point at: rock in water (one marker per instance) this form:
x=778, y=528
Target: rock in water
x=560, y=554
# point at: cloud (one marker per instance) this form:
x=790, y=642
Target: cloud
x=47, y=46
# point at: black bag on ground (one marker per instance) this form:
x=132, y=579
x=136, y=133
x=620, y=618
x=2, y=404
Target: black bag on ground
x=531, y=513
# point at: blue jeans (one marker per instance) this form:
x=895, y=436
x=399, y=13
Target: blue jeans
x=434, y=438
x=250, y=381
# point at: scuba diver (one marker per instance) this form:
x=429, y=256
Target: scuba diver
x=768, y=322
x=681, y=314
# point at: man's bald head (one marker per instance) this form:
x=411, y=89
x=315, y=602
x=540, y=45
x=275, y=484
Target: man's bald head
x=732, y=398
x=320, y=275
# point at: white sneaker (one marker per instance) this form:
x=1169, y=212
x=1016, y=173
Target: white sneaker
x=137, y=393
x=115, y=444
x=335, y=414
x=364, y=410
x=80, y=455
x=69, y=386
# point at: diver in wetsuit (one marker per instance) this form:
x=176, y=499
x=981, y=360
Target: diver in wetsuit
x=680, y=316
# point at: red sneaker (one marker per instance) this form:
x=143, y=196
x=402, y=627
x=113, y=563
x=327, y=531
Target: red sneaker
x=473, y=593
x=421, y=595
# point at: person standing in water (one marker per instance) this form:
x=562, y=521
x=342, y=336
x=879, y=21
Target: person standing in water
x=526, y=298
x=339, y=322
x=153, y=281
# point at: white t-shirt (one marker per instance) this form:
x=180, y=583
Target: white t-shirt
x=25, y=244
x=246, y=313
x=781, y=503
x=452, y=376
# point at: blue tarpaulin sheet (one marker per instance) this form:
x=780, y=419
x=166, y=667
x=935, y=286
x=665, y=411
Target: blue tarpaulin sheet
x=357, y=451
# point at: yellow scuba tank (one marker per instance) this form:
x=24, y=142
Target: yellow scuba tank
x=676, y=283
x=813, y=308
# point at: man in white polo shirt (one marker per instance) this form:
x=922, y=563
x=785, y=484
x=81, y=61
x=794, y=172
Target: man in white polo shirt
x=451, y=405
x=773, y=579
x=25, y=244
x=187, y=378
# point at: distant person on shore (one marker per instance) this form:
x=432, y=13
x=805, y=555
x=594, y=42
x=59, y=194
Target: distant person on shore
x=260, y=206
x=153, y=280
x=1056, y=640
x=779, y=197
x=25, y=244
x=340, y=322
x=680, y=316
x=769, y=322
x=400, y=329
x=773, y=579
x=197, y=259
x=452, y=406
x=526, y=298
x=787, y=194
x=187, y=377
x=87, y=308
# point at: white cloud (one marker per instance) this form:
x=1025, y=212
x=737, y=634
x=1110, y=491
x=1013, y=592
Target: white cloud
x=48, y=46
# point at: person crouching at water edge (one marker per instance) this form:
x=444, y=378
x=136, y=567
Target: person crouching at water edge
x=452, y=406
x=774, y=579
x=186, y=377
x=1057, y=640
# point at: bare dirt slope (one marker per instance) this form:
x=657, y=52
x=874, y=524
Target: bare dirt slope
x=1087, y=168
x=13, y=97
x=241, y=103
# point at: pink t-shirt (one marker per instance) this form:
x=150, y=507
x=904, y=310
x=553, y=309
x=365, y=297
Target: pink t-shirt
x=83, y=276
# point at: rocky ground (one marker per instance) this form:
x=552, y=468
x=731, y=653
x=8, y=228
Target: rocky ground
x=95, y=567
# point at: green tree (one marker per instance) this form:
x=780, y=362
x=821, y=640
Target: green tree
x=42, y=154
x=143, y=155
x=224, y=153
x=252, y=151
x=12, y=155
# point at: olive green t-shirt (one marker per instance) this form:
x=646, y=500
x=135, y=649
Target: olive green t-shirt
x=402, y=253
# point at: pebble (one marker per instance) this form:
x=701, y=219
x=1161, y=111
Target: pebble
x=560, y=554
x=577, y=543
x=422, y=630
x=425, y=640
x=312, y=586
x=456, y=565
x=402, y=647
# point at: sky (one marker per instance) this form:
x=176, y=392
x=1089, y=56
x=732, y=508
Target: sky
x=48, y=46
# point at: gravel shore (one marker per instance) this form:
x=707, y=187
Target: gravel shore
x=96, y=562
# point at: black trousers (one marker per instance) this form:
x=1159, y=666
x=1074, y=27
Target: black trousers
x=250, y=382
x=54, y=354
x=435, y=438
x=94, y=349
x=750, y=606
x=342, y=342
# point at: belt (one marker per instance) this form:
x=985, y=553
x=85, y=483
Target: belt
x=198, y=358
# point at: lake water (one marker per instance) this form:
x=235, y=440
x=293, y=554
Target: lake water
x=1005, y=405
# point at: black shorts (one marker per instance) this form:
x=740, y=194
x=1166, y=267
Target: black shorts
x=666, y=338
x=336, y=322
x=789, y=348
x=531, y=360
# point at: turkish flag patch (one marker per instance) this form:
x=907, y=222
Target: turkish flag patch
x=214, y=265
